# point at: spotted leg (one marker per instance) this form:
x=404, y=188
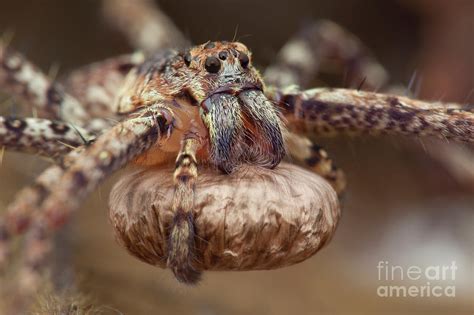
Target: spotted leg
x=312, y=156
x=39, y=136
x=326, y=112
x=112, y=150
x=455, y=158
x=24, y=81
x=45, y=137
x=298, y=63
x=17, y=217
x=16, y=220
x=181, y=245
x=144, y=25
x=300, y=60
x=314, y=44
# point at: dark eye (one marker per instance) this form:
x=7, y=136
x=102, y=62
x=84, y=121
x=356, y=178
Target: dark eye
x=209, y=45
x=212, y=64
x=244, y=60
x=187, y=59
x=223, y=55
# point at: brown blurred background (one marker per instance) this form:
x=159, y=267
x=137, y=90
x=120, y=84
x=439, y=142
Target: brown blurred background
x=402, y=206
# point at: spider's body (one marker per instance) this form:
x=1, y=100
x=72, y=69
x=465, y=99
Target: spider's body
x=206, y=105
x=220, y=116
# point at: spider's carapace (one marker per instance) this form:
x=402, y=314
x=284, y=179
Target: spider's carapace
x=214, y=91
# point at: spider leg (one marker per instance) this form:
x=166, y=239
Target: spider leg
x=49, y=138
x=326, y=112
x=45, y=137
x=299, y=61
x=181, y=245
x=324, y=41
x=61, y=190
x=110, y=151
x=96, y=85
x=27, y=83
x=146, y=27
x=455, y=158
x=316, y=159
x=16, y=219
x=23, y=80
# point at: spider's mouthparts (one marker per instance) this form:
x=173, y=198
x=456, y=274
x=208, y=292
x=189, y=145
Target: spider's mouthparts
x=268, y=126
x=222, y=116
x=243, y=128
x=234, y=90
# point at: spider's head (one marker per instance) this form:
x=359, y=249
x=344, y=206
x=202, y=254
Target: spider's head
x=220, y=67
x=244, y=126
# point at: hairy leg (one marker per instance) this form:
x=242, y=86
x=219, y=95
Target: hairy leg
x=17, y=217
x=299, y=61
x=146, y=27
x=26, y=83
x=326, y=112
x=181, y=245
x=455, y=158
x=314, y=44
x=45, y=137
x=60, y=191
x=52, y=139
x=312, y=156
x=111, y=151
x=96, y=85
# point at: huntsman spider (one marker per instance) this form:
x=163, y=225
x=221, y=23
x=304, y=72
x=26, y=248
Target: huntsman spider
x=204, y=105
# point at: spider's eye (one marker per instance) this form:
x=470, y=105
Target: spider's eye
x=187, y=59
x=223, y=55
x=209, y=45
x=244, y=60
x=212, y=64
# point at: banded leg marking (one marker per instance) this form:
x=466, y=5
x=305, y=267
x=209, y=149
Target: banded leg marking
x=316, y=159
x=62, y=195
x=181, y=245
x=27, y=83
x=49, y=138
x=326, y=112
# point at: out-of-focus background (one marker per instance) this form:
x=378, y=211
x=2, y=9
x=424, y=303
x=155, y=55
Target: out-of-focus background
x=403, y=206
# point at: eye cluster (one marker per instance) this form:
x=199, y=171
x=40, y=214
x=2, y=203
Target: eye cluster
x=213, y=63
